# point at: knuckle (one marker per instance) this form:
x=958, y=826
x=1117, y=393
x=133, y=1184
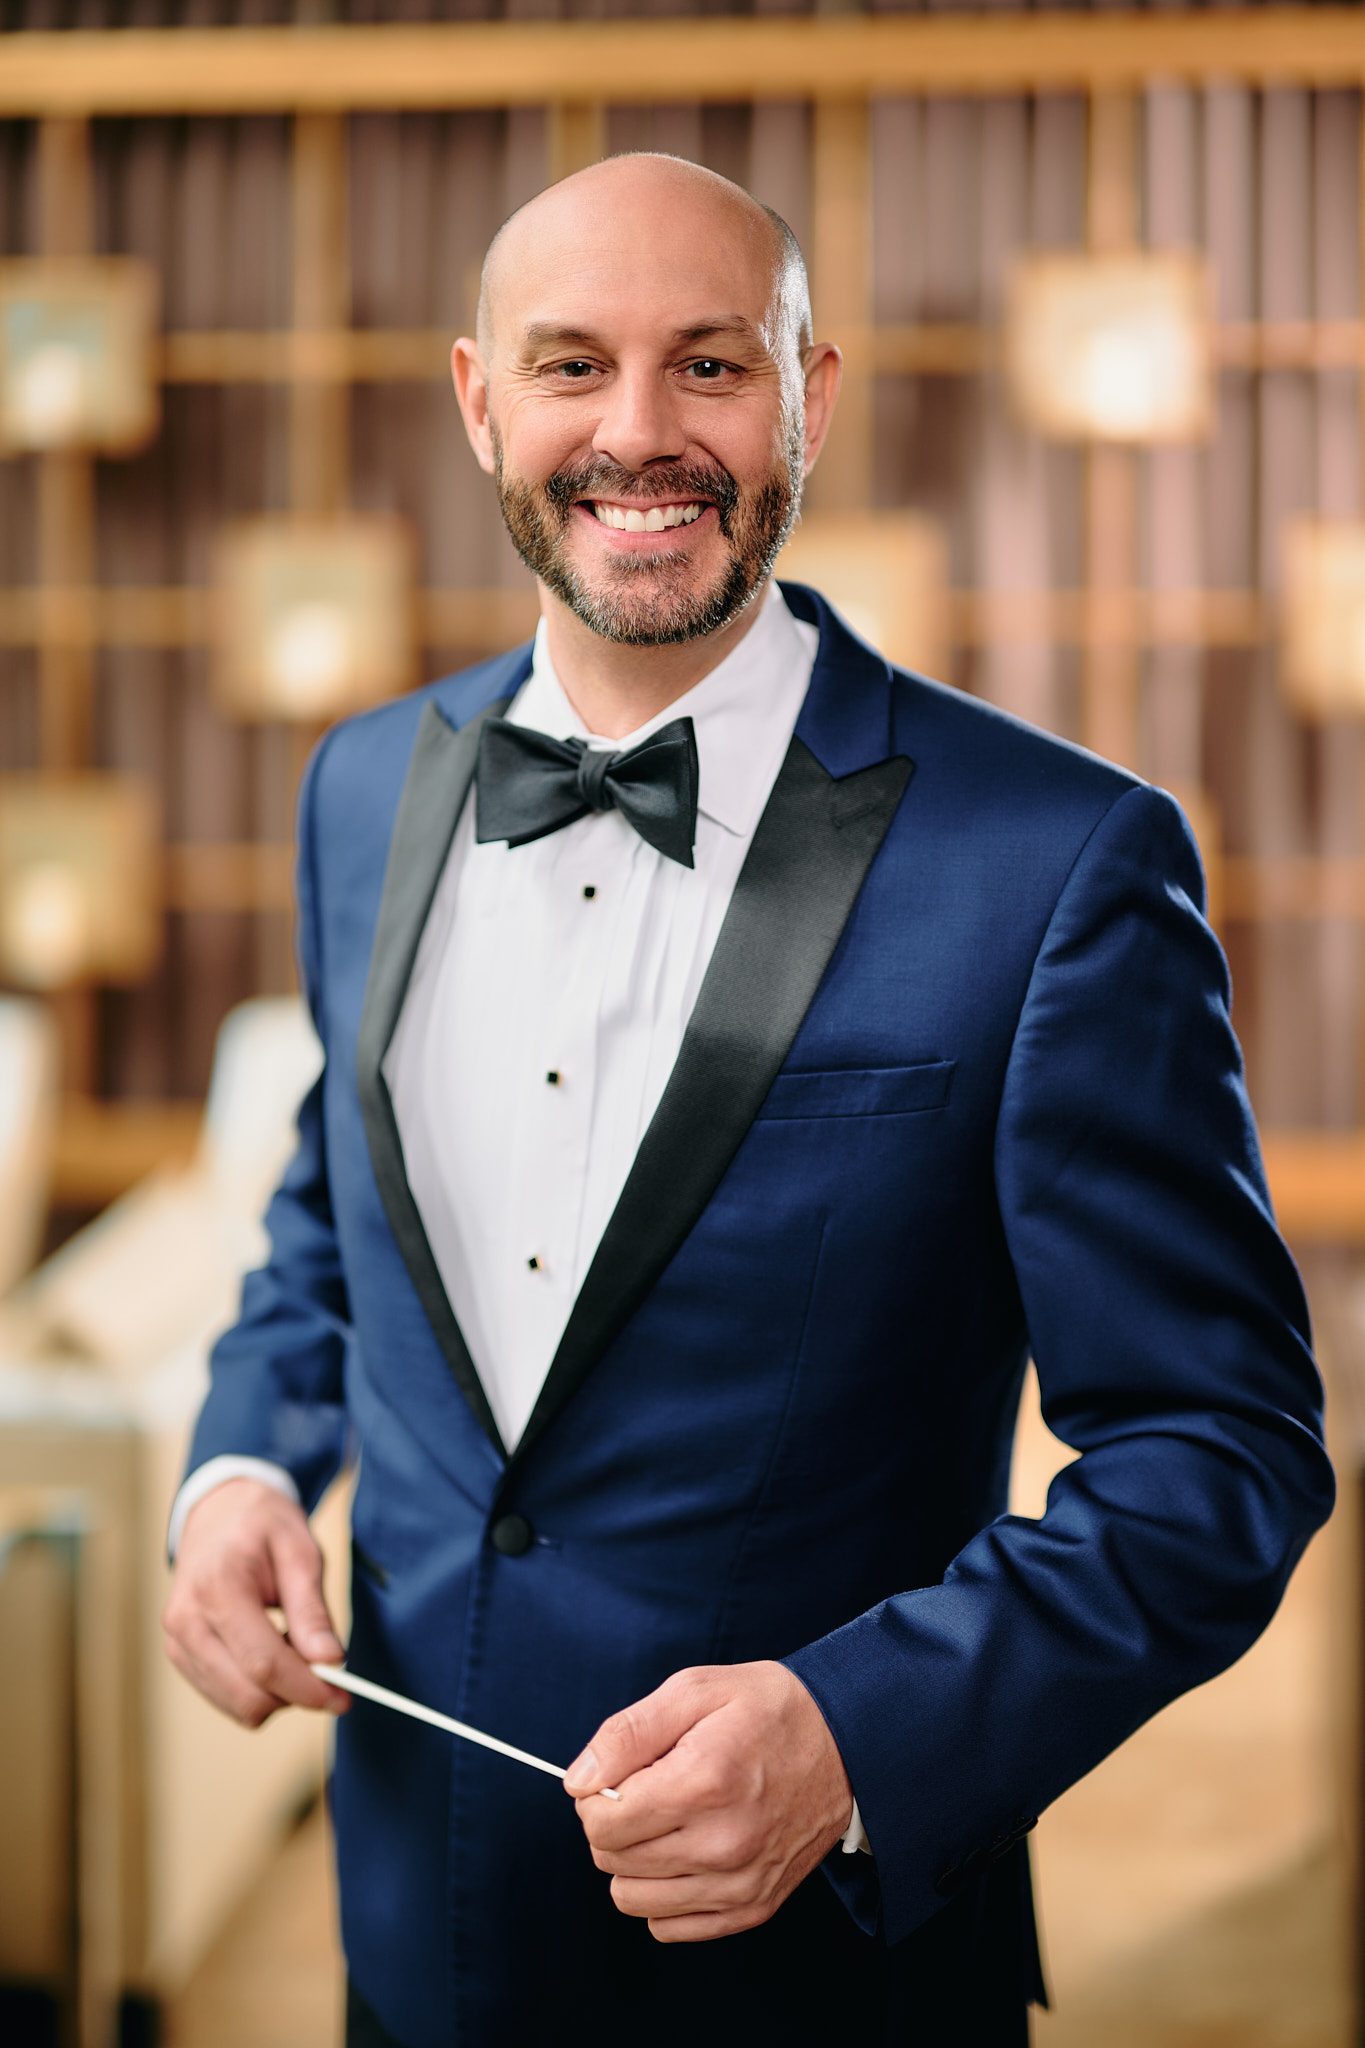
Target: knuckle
x=731, y=1849
x=622, y=1728
x=259, y=1666
x=604, y=1859
x=709, y=1781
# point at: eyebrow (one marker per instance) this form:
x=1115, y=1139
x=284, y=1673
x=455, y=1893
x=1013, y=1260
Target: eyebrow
x=546, y=333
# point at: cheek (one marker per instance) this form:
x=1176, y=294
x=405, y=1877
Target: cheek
x=752, y=448
x=538, y=440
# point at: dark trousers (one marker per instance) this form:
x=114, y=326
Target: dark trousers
x=363, y=2030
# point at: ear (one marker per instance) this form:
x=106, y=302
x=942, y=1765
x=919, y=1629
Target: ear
x=824, y=371
x=471, y=390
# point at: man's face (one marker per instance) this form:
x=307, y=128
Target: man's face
x=641, y=378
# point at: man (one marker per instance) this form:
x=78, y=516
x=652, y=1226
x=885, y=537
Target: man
x=739, y=1055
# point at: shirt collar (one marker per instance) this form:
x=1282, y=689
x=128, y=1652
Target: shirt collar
x=731, y=708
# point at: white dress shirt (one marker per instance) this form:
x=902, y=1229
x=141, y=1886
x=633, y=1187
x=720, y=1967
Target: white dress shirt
x=545, y=1009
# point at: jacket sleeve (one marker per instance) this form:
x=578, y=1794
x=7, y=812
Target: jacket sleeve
x=276, y=1387
x=1171, y=1341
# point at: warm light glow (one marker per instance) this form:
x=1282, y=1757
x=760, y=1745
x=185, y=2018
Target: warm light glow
x=309, y=659
x=886, y=572
x=314, y=616
x=1323, y=640
x=1113, y=348
x=48, y=399
x=77, y=364
x=45, y=925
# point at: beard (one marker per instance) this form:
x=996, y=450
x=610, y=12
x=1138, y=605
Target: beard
x=655, y=600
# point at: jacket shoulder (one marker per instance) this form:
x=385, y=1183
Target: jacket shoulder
x=366, y=751
x=954, y=730
x=992, y=796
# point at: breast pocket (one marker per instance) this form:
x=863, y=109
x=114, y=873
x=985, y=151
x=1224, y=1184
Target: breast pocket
x=861, y=1091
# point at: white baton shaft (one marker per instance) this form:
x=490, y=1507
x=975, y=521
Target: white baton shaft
x=366, y=1689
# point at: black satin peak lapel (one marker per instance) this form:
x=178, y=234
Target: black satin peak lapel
x=809, y=855
x=440, y=770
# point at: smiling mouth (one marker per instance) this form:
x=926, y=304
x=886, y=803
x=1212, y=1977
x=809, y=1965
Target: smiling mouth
x=645, y=519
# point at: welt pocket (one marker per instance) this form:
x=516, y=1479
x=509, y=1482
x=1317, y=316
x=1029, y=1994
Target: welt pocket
x=860, y=1091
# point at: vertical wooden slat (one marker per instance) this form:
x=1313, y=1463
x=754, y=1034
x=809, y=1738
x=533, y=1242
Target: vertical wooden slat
x=1110, y=667
x=577, y=136
x=319, y=409
x=319, y=460
x=64, y=187
x=841, y=286
x=65, y=556
x=1358, y=1897
x=65, y=495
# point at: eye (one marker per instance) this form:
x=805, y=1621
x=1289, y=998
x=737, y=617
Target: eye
x=709, y=370
x=572, y=372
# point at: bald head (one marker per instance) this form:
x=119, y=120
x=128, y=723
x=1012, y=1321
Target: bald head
x=655, y=203
x=646, y=394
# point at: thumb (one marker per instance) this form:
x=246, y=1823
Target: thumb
x=639, y=1735
x=298, y=1578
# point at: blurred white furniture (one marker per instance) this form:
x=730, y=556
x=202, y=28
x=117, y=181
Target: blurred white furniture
x=103, y=1354
x=28, y=1130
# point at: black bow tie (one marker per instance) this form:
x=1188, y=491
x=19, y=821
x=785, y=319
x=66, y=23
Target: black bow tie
x=528, y=784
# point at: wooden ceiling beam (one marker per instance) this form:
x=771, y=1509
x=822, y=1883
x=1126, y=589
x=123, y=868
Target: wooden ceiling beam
x=499, y=64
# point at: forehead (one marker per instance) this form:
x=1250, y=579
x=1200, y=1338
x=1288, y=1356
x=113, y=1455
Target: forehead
x=635, y=271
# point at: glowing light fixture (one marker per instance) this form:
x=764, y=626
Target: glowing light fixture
x=47, y=913
x=1111, y=348
x=78, y=880
x=1322, y=620
x=76, y=354
x=887, y=572
x=315, y=618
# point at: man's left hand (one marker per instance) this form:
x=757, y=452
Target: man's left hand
x=731, y=1788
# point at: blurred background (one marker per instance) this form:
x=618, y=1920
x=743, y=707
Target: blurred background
x=1098, y=280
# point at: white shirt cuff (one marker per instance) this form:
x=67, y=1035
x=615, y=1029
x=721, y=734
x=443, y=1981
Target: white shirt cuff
x=213, y=1472
x=855, y=1835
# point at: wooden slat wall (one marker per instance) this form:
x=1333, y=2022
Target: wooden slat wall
x=316, y=267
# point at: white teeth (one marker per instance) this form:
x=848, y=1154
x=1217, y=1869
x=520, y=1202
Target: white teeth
x=657, y=518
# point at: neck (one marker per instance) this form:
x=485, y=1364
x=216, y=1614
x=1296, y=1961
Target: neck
x=613, y=688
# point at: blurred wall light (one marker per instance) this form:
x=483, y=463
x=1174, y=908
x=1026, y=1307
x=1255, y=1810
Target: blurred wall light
x=1111, y=348
x=77, y=354
x=1322, y=617
x=887, y=572
x=79, y=897
x=315, y=619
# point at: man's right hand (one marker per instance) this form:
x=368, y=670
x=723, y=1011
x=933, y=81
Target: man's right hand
x=245, y=1550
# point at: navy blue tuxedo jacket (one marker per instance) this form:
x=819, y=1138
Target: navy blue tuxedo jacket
x=960, y=1087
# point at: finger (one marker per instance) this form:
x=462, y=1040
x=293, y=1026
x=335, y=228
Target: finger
x=641, y=1733
x=704, y=1926
x=199, y=1656
x=681, y=1788
x=298, y=1581
x=262, y=1655
x=705, y=1891
x=680, y=1854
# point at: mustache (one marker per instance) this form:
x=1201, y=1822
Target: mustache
x=679, y=481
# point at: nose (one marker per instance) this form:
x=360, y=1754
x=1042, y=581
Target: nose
x=639, y=421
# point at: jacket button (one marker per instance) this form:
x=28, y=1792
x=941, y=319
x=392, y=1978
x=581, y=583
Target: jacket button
x=512, y=1535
